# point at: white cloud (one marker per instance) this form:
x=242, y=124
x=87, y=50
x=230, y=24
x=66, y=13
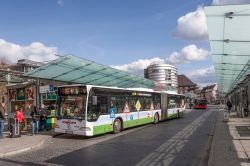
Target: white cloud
x=188, y=54
x=36, y=51
x=229, y=2
x=203, y=77
x=192, y=26
x=60, y=3
x=203, y=72
x=137, y=67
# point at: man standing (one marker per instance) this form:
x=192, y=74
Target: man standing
x=35, y=122
x=2, y=118
x=229, y=106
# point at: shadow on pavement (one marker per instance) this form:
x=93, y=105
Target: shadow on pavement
x=12, y=162
x=226, y=148
x=243, y=131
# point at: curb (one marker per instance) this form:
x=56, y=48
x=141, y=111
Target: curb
x=211, y=134
x=18, y=151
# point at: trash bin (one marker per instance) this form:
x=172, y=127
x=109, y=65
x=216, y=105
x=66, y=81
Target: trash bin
x=226, y=115
x=50, y=122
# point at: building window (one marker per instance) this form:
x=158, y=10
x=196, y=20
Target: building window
x=155, y=71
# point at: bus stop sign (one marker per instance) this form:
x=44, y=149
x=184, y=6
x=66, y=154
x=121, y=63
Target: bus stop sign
x=51, y=87
x=112, y=112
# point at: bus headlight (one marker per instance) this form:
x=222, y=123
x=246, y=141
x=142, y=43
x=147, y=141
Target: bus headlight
x=86, y=128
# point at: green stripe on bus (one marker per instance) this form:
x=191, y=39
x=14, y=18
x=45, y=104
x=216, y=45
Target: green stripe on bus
x=137, y=122
x=108, y=127
x=170, y=116
x=103, y=129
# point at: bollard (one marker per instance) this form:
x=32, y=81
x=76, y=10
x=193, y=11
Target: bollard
x=226, y=115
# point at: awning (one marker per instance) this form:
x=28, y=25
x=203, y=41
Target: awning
x=190, y=95
x=229, y=35
x=72, y=69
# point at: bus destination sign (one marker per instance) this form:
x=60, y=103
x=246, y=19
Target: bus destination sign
x=72, y=90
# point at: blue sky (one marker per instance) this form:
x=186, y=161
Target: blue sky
x=119, y=33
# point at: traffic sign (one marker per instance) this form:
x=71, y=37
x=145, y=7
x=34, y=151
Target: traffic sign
x=126, y=109
x=138, y=105
x=112, y=112
x=51, y=87
x=152, y=106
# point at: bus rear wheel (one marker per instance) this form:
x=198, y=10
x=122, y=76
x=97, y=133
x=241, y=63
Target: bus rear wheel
x=117, y=126
x=156, y=118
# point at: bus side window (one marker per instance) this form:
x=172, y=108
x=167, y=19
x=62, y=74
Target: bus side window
x=103, y=105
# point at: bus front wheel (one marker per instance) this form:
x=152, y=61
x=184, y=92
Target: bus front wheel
x=117, y=126
x=156, y=118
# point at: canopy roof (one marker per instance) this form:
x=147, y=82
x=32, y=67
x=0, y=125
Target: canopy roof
x=190, y=95
x=77, y=70
x=229, y=35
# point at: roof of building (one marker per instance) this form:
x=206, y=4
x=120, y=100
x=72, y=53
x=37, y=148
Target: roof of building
x=28, y=62
x=184, y=81
x=209, y=87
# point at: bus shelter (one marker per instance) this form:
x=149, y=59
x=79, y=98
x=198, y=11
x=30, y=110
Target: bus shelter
x=71, y=69
x=229, y=36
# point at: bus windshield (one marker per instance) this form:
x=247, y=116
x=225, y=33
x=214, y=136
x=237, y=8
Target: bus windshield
x=201, y=102
x=72, y=107
x=71, y=103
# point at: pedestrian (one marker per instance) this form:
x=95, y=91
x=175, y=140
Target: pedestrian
x=229, y=106
x=42, y=119
x=2, y=118
x=34, y=121
x=19, y=119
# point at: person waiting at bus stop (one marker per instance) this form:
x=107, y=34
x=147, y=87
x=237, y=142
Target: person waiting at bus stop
x=34, y=121
x=19, y=119
x=43, y=116
x=229, y=106
x=2, y=118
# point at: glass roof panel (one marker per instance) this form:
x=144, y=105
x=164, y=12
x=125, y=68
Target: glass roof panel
x=77, y=70
x=229, y=35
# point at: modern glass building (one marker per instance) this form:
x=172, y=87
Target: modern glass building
x=162, y=73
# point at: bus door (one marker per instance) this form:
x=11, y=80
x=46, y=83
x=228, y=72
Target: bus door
x=164, y=109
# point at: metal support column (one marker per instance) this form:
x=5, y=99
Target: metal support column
x=38, y=104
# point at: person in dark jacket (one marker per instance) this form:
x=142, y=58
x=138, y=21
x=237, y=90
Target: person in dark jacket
x=229, y=106
x=2, y=118
x=34, y=120
x=42, y=121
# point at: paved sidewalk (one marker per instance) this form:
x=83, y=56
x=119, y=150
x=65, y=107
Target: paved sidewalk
x=231, y=142
x=12, y=146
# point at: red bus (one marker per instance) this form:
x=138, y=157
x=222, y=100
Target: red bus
x=200, y=104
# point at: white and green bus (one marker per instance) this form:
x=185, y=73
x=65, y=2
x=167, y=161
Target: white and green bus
x=92, y=110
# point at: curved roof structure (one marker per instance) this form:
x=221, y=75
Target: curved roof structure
x=77, y=70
